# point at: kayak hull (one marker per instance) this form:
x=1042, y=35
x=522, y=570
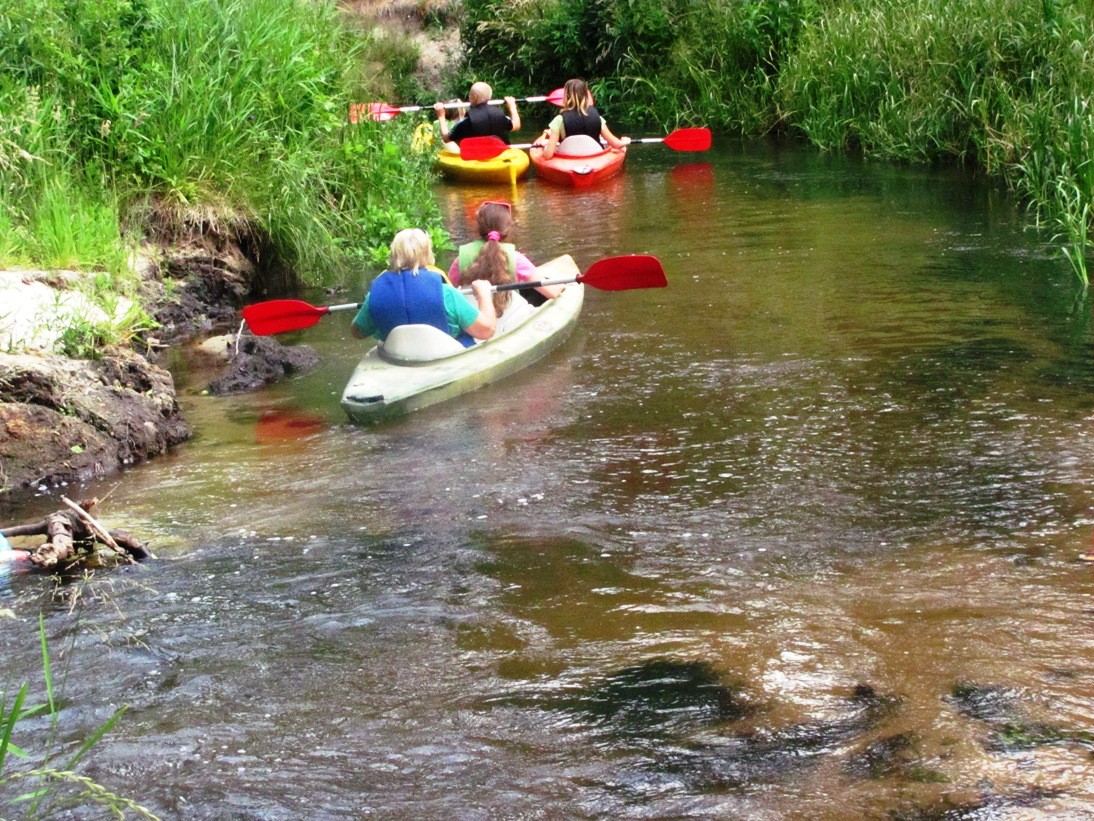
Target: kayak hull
x=578, y=172
x=381, y=388
x=509, y=166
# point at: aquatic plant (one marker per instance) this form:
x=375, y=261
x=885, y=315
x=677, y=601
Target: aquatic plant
x=52, y=788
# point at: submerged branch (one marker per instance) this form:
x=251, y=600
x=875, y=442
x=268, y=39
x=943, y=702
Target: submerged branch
x=74, y=535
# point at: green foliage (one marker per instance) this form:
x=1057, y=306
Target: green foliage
x=84, y=337
x=666, y=61
x=1006, y=85
x=69, y=227
x=1001, y=83
x=229, y=107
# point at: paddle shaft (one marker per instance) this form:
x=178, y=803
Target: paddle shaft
x=512, y=286
x=348, y=306
x=541, y=98
x=622, y=273
x=468, y=105
x=682, y=139
x=516, y=286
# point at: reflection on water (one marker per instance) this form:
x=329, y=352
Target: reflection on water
x=793, y=537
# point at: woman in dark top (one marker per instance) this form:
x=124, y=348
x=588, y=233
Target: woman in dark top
x=578, y=119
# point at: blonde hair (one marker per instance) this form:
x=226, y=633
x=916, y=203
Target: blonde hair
x=575, y=95
x=411, y=249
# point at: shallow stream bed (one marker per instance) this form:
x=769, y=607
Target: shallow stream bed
x=795, y=537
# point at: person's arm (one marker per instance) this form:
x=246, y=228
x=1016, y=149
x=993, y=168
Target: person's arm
x=549, y=145
x=550, y=137
x=450, y=135
x=511, y=104
x=442, y=118
x=526, y=272
x=487, y=320
x=618, y=143
x=363, y=326
x=550, y=291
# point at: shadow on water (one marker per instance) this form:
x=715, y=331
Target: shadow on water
x=653, y=700
x=1012, y=728
x=736, y=760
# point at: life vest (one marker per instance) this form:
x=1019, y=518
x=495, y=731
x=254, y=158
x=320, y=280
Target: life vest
x=489, y=121
x=423, y=139
x=409, y=298
x=470, y=252
x=575, y=123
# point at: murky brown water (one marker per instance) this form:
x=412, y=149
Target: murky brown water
x=793, y=538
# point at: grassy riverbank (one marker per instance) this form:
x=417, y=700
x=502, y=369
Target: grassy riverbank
x=125, y=119
x=1002, y=85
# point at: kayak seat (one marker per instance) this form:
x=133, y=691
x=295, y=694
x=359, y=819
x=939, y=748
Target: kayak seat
x=515, y=314
x=580, y=145
x=418, y=343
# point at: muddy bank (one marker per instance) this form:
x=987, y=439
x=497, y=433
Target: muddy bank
x=64, y=420
x=68, y=419
x=252, y=362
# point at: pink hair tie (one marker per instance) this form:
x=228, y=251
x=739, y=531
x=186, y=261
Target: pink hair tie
x=493, y=236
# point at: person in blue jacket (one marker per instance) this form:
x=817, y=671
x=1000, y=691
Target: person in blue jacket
x=413, y=293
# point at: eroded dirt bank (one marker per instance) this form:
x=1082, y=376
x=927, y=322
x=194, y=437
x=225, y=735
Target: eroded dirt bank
x=65, y=419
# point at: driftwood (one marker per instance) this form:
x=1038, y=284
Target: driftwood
x=74, y=535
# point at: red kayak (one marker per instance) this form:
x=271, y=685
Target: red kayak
x=578, y=172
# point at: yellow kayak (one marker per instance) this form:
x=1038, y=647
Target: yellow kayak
x=509, y=166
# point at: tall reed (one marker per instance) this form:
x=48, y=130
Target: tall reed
x=1002, y=85
x=203, y=109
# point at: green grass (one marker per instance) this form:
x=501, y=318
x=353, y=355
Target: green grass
x=1005, y=86
x=170, y=116
x=52, y=788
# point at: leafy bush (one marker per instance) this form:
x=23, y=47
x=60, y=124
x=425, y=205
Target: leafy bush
x=1005, y=84
x=231, y=107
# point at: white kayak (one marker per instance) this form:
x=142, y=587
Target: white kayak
x=418, y=365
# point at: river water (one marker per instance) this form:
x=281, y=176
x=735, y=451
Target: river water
x=795, y=537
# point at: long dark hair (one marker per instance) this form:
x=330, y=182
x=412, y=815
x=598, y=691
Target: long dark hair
x=492, y=263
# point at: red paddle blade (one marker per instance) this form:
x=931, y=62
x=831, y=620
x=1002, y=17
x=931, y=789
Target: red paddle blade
x=556, y=97
x=482, y=148
x=625, y=273
x=279, y=316
x=689, y=139
x=381, y=112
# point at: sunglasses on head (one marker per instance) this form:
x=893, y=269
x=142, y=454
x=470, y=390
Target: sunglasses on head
x=501, y=203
